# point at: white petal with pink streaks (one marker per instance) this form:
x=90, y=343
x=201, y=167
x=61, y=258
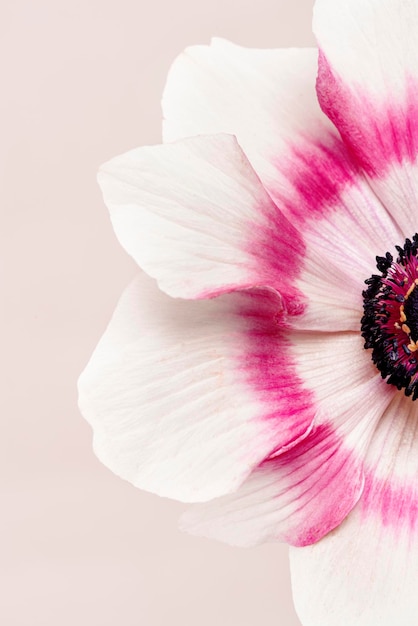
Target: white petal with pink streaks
x=186, y=398
x=347, y=228
x=302, y=494
x=368, y=86
x=366, y=571
x=264, y=97
x=300, y=159
x=195, y=216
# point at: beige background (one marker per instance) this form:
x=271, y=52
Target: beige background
x=80, y=82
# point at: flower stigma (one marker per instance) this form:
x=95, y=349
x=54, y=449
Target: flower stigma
x=390, y=321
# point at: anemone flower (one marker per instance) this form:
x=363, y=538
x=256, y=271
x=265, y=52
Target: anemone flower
x=269, y=374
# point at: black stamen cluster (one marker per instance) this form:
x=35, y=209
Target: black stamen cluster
x=397, y=365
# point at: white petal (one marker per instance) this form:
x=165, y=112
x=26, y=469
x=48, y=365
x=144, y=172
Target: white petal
x=368, y=86
x=186, y=397
x=366, y=571
x=195, y=216
x=369, y=42
x=267, y=99
x=304, y=493
x=264, y=97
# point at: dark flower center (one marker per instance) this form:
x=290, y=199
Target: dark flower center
x=390, y=321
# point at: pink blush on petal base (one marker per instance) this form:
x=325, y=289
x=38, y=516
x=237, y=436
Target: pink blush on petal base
x=395, y=505
x=318, y=172
x=269, y=368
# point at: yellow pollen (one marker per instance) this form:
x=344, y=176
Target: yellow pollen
x=402, y=314
x=406, y=329
x=410, y=290
x=413, y=346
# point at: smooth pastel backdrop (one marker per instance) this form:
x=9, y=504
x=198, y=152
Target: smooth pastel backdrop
x=81, y=82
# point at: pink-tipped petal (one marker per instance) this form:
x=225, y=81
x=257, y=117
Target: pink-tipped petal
x=195, y=216
x=186, y=398
x=368, y=87
x=366, y=571
x=302, y=494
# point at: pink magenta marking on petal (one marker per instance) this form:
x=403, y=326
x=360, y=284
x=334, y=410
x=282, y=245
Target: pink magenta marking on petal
x=265, y=366
x=324, y=477
x=275, y=251
x=396, y=505
x=278, y=249
x=377, y=134
x=318, y=173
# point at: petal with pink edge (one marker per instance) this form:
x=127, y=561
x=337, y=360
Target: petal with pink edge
x=368, y=86
x=186, y=398
x=195, y=216
x=366, y=571
x=302, y=494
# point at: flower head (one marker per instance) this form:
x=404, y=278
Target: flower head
x=270, y=374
